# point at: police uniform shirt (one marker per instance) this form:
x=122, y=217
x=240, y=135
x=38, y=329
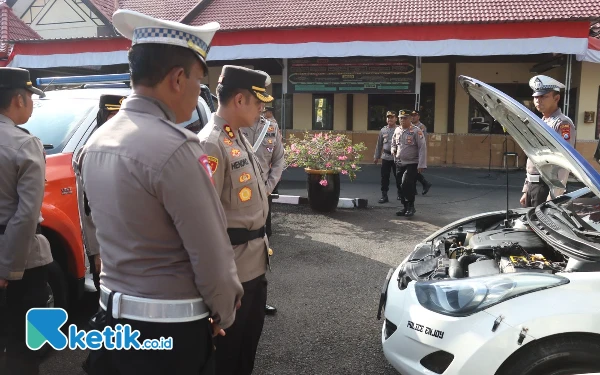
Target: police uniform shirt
x=383, y=150
x=409, y=147
x=23, y=170
x=421, y=127
x=159, y=223
x=237, y=175
x=566, y=129
x=270, y=152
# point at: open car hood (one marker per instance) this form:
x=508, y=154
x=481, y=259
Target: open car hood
x=543, y=146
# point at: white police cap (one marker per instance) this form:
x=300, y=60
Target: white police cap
x=541, y=85
x=140, y=29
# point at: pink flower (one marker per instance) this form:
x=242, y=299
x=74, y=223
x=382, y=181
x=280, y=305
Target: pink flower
x=297, y=151
x=323, y=182
x=327, y=150
x=328, y=165
x=294, y=165
x=337, y=139
x=353, y=166
x=344, y=171
x=349, y=149
x=293, y=147
x=344, y=157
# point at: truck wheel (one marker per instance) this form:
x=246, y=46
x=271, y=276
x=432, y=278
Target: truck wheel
x=562, y=355
x=57, y=287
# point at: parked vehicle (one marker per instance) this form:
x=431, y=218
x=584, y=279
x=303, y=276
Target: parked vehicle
x=506, y=292
x=64, y=119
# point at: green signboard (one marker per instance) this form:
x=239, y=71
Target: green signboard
x=353, y=75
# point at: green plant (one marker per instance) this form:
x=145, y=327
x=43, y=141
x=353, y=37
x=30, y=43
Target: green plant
x=324, y=151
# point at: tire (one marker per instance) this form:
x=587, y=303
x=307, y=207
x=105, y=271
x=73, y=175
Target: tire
x=58, y=291
x=561, y=355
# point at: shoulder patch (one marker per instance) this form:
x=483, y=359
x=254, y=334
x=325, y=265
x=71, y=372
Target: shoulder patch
x=213, y=163
x=565, y=130
x=203, y=159
x=420, y=134
x=228, y=131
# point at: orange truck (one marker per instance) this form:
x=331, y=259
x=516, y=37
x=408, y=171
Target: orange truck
x=64, y=119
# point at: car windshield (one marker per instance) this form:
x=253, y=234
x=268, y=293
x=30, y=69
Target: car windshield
x=586, y=209
x=54, y=121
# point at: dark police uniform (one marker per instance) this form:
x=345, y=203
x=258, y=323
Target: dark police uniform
x=237, y=173
x=410, y=152
x=167, y=263
x=383, y=151
x=24, y=251
x=537, y=191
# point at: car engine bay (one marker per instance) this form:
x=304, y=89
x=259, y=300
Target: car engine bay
x=483, y=248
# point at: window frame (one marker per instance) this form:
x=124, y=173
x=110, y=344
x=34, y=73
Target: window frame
x=326, y=97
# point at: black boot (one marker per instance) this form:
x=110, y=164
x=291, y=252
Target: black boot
x=410, y=210
x=270, y=310
x=399, y=196
x=384, y=197
x=426, y=186
x=403, y=212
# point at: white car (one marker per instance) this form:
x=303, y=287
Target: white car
x=504, y=293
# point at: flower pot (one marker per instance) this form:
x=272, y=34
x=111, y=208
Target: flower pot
x=323, y=197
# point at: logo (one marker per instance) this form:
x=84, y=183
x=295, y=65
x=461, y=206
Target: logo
x=214, y=163
x=206, y=164
x=245, y=194
x=227, y=141
x=239, y=164
x=270, y=129
x=537, y=84
x=43, y=325
x=270, y=149
x=245, y=177
x=235, y=152
x=270, y=141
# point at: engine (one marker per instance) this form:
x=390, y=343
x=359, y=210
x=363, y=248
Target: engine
x=473, y=252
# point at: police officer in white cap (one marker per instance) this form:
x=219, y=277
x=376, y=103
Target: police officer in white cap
x=546, y=95
x=168, y=268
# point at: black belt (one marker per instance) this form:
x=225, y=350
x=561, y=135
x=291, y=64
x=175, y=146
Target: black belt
x=387, y=152
x=239, y=236
x=38, y=229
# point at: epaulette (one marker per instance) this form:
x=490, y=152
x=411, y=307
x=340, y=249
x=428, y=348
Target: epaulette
x=188, y=134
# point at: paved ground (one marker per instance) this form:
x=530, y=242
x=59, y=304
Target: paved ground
x=328, y=270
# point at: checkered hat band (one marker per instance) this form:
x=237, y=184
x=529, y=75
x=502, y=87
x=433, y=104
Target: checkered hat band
x=166, y=36
x=547, y=87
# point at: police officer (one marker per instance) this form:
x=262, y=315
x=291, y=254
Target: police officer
x=24, y=251
x=270, y=154
x=416, y=121
x=109, y=105
x=410, y=151
x=238, y=180
x=167, y=264
x=546, y=95
x=383, y=151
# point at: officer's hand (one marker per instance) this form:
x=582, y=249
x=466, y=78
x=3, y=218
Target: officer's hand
x=217, y=330
x=375, y=161
x=523, y=199
x=238, y=305
x=420, y=170
x=3, y=283
x=97, y=263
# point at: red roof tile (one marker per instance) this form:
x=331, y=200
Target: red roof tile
x=12, y=28
x=270, y=14
x=166, y=10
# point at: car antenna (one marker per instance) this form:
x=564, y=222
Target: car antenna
x=45, y=88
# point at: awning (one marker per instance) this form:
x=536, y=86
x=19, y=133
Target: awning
x=592, y=54
x=419, y=40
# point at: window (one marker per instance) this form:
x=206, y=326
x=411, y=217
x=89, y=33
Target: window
x=379, y=104
x=598, y=116
x=322, y=112
x=481, y=122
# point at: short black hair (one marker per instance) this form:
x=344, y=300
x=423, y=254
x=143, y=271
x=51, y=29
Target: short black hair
x=7, y=95
x=150, y=63
x=226, y=93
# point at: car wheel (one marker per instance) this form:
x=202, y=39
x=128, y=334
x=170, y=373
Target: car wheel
x=57, y=287
x=561, y=355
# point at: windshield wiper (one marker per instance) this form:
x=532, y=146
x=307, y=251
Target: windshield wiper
x=48, y=146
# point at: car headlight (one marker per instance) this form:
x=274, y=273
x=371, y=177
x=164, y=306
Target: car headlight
x=463, y=297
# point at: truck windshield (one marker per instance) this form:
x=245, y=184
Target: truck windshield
x=54, y=121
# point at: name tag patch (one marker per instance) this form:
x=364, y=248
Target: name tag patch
x=239, y=164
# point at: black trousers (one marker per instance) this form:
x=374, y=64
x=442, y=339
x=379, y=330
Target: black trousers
x=21, y=295
x=421, y=179
x=236, y=350
x=192, y=352
x=408, y=175
x=537, y=193
x=268, y=225
x=388, y=167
